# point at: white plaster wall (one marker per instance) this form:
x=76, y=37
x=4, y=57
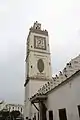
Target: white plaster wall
x=26, y=102
x=66, y=96
x=26, y=92
x=34, y=86
x=31, y=88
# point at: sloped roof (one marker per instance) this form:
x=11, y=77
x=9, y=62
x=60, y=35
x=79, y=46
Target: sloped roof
x=72, y=68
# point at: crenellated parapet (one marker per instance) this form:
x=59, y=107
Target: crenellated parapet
x=72, y=67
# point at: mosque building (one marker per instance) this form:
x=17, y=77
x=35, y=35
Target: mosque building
x=47, y=97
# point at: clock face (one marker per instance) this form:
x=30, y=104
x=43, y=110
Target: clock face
x=40, y=42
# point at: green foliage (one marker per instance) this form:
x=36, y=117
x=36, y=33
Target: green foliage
x=6, y=115
x=15, y=113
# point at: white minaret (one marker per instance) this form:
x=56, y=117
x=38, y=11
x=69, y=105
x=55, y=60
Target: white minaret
x=38, y=63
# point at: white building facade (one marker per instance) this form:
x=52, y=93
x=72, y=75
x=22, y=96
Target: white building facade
x=15, y=107
x=11, y=107
x=47, y=97
x=64, y=100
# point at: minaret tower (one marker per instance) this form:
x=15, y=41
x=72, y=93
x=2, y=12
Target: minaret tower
x=38, y=63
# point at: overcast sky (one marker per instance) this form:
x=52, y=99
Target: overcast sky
x=62, y=20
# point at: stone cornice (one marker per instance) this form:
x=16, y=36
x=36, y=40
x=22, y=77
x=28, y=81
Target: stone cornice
x=42, y=32
x=35, y=78
x=40, y=51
